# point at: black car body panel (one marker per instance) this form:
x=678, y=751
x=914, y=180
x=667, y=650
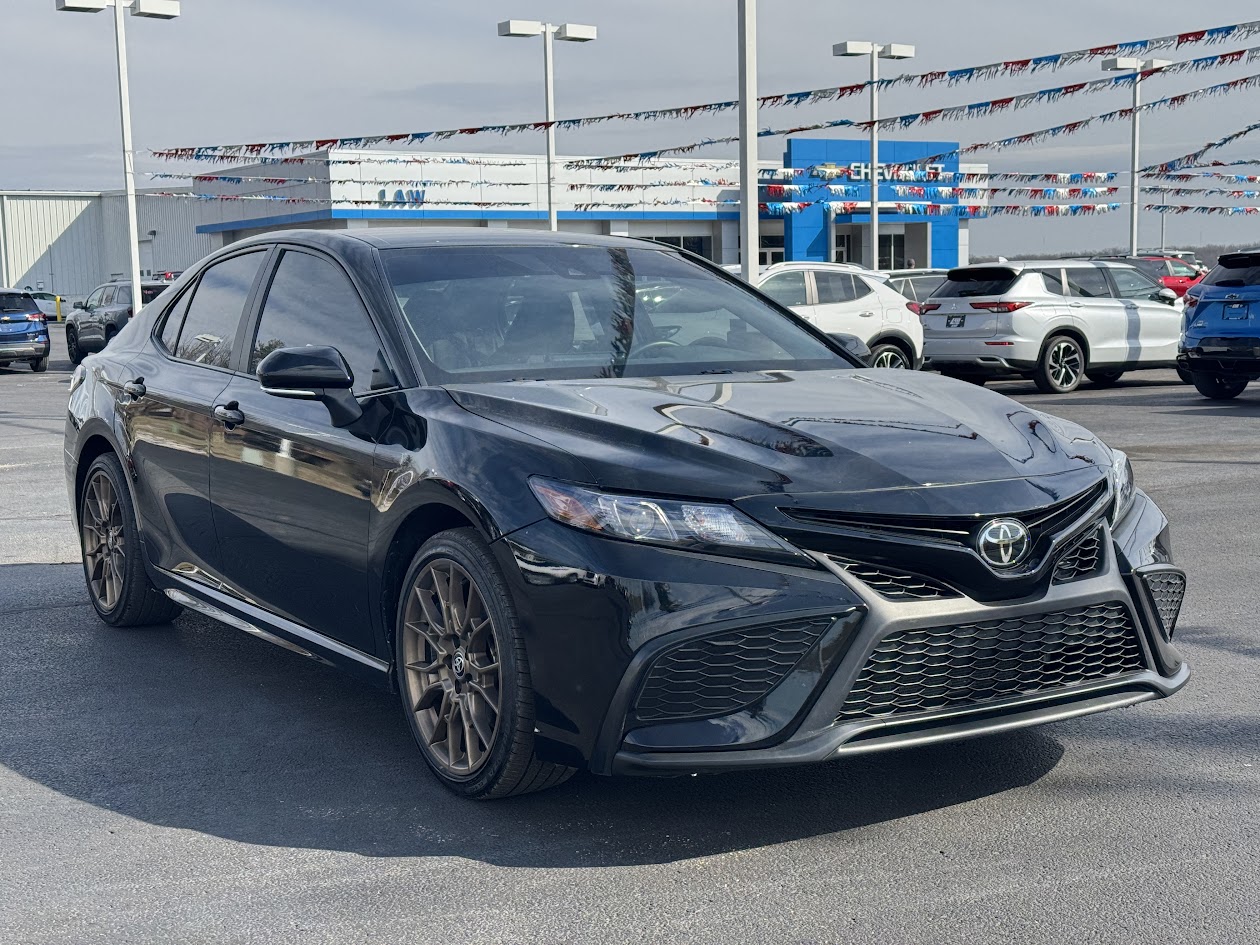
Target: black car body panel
x=260, y=512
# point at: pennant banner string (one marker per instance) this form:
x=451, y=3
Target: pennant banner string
x=1194, y=157
x=1225, y=211
x=234, y=179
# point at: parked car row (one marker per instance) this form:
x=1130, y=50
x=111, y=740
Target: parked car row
x=94, y=322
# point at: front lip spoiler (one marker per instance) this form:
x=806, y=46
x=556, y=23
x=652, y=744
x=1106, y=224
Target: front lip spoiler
x=876, y=735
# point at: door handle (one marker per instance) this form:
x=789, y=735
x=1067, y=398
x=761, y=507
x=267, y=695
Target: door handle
x=1075, y=304
x=865, y=314
x=229, y=414
x=135, y=389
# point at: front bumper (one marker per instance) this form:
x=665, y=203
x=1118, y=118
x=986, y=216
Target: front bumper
x=599, y=703
x=33, y=348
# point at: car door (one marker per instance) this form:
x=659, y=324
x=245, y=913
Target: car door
x=90, y=339
x=292, y=492
x=167, y=409
x=846, y=305
x=1110, y=329
x=1158, y=323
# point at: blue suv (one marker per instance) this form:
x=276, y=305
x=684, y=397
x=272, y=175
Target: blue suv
x=1220, y=335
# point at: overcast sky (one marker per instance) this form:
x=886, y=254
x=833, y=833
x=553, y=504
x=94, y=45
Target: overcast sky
x=260, y=70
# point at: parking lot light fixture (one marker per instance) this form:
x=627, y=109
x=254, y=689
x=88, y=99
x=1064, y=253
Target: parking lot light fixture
x=156, y=9
x=567, y=32
x=1141, y=68
x=876, y=52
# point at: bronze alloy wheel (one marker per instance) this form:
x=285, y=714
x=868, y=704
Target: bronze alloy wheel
x=450, y=653
x=104, y=550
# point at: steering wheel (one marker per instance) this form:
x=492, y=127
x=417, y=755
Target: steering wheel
x=654, y=344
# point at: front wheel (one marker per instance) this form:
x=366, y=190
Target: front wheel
x=118, y=584
x=73, y=352
x=1216, y=387
x=1104, y=378
x=1186, y=376
x=463, y=673
x=1061, y=366
x=39, y=365
x=888, y=355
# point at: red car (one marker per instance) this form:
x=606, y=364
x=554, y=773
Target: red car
x=1172, y=273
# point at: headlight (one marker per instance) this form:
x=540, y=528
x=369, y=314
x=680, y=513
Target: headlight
x=1121, y=484
x=679, y=524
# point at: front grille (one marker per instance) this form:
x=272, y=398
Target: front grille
x=892, y=584
x=948, y=667
x=722, y=674
x=1167, y=588
x=1082, y=558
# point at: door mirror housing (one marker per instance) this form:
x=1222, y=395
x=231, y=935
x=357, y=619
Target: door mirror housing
x=853, y=346
x=1167, y=296
x=318, y=373
x=79, y=304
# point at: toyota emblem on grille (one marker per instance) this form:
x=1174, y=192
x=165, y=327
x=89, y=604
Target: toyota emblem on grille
x=1004, y=542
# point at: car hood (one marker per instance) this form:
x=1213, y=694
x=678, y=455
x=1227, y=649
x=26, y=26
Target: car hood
x=856, y=439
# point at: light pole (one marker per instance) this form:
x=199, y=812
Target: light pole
x=160, y=10
x=876, y=52
x=749, y=195
x=1140, y=68
x=569, y=32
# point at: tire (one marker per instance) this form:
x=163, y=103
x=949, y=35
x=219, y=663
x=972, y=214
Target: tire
x=439, y=653
x=1061, y=367
x=40, y=365
x=1186, y=376
x=1215, y=387
x=892, y=356
x=120, y=590
x=109, y=335
x=72, y=346
x=1104, y=378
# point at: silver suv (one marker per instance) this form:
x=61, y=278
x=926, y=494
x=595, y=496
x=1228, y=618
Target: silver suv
x=1054, y=320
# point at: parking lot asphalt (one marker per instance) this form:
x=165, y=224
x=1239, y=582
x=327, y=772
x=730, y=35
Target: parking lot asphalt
x=192, y=784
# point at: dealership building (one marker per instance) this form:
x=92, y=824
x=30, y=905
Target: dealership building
x=71, y=241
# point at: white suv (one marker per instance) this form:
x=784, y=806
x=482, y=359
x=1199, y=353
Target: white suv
x=1054, y=321
x=840, y=299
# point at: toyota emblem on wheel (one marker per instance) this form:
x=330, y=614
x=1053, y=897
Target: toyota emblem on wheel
x=1004, y=543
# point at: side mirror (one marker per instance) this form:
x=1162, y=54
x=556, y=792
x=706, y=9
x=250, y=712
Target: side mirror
x=1167, y=296
x=313, y=373
x=854, y=346
x=79, y=304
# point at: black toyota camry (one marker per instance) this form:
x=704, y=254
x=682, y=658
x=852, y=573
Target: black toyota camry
x=591, y=503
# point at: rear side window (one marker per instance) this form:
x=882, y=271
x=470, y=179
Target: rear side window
x=1087, y=282
x=1235, y=271
x=836, y=287
x=17, y=303
x=786, y=288
x=968, y=283
x=312, y=302
x=208, y=333
x=1053, y=279
x=108, y=297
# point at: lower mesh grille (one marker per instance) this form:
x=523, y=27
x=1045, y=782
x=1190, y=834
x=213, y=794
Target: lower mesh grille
x=893, y=584
x=1167, y=588
x=947, y=667
x=725, y=673
x=1081, y=559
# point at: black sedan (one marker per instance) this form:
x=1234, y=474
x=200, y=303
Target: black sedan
x=591, y=503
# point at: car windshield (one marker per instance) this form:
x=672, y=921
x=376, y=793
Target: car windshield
x=17, y=303
x=967, y=283
x=1235, y=271
x=492, y=313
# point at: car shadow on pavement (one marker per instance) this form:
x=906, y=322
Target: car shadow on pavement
x=199, y=727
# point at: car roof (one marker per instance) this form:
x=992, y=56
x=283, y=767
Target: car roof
x=408, y=237
x=1019, y=265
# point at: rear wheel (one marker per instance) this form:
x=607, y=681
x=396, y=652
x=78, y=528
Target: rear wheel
x=39, y=365
x=72, y=346
x=118, y=584
x=1219, y=388
x=463, y=673
x=1061, y=366
x=888, y=355
x=1104, y=378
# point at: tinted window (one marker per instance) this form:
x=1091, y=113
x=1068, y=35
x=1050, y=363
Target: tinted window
x=481, y=313
x=107, y=297
x=94, y=299
x=924, y=286
x=1236, y=271
x=311, y=302
x=17, y=303
x=786, y=288
x=1131, y=284
x=1087, y=282
x=836, y=287
x=122, y=295
x=1053, y=279
x=174, y=321
x=214, y=314
x=150, y=292
x=966, y=283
